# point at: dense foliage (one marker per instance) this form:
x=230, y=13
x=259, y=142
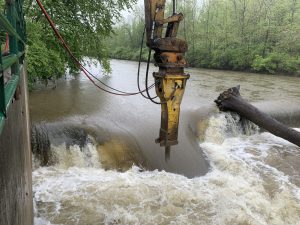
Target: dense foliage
x=83, y=24
x=252, y=35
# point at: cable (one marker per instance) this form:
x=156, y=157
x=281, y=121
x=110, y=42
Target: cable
x=147, y=70
x=148, y=64
x=76, y=61
x=174, y=7
x=139, y=66
x=146, y=83
x=146, y=80
x=135, y=93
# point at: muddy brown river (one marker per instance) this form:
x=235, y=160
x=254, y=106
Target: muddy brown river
x=106, y=169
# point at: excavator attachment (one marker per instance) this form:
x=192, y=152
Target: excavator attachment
x=170, y=80
x=170, y=86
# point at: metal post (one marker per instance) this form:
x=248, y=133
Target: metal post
x=2, y=92
x=13, y=43
x=12, y=22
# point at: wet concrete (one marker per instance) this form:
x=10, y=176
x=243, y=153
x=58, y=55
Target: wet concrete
x=16, y=206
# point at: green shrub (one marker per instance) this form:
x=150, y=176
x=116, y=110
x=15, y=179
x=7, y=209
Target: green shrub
x=276, y=62
x=44, y=63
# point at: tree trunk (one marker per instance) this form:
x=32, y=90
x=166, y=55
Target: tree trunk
x=231, y=100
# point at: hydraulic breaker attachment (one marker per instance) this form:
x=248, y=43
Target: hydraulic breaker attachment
x=170, y=87
x=170, y=80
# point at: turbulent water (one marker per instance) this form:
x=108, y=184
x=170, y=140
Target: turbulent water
x=252, y=177
x=245, y=185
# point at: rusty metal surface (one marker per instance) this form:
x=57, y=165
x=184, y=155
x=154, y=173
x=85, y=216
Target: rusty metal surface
x=170, y=80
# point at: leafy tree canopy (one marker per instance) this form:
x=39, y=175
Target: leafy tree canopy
x=83, y=23
x=256, y=35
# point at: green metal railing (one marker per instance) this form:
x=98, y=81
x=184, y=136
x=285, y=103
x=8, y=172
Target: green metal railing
x=12, y=23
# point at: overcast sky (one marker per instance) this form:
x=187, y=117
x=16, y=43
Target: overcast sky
x=140, y=3
x=127, y=14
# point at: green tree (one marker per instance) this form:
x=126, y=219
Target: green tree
x=251, y=35
x=83, y=24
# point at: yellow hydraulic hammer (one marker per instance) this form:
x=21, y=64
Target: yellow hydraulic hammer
x=170, y=80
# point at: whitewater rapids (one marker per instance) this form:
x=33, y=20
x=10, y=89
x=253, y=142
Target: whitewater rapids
x=254, y=179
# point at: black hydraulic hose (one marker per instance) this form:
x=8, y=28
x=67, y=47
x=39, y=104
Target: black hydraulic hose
x=139, y=67
x=174, y=6
x=146, y=79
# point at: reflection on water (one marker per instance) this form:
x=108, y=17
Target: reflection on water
x=233, y=173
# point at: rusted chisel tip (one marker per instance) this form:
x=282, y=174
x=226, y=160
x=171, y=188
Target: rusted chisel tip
x=167, y=153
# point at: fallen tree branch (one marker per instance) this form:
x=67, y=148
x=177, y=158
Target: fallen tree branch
x=231, y=100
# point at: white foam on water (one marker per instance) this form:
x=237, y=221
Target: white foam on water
x=240, y=189
x=76, y=156
x=41, y=221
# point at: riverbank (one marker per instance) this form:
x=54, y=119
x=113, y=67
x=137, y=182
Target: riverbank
x=130, y=55
x=52, y=83
x=227, y=35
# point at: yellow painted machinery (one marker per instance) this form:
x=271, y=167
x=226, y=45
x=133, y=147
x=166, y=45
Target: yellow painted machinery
x=170, y=80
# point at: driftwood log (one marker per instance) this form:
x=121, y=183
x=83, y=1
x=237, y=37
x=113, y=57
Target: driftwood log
x=231, y=100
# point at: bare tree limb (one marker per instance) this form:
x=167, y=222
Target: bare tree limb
x=231, y=100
